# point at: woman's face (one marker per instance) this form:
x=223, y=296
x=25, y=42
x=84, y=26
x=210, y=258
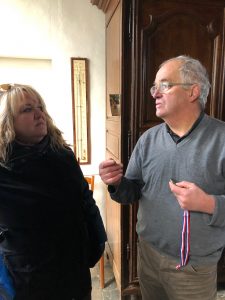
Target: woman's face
x=30, y=121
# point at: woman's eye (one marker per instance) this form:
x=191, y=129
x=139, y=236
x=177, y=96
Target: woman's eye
x=30, y=109
x=27, y=109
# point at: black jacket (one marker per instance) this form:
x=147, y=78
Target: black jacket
x=45, y=209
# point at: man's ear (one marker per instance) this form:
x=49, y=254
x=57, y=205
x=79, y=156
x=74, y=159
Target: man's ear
x=194, y=92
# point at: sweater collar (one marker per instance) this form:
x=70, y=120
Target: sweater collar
x=177, y=139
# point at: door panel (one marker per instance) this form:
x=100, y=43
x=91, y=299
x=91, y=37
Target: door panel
x=175, y=32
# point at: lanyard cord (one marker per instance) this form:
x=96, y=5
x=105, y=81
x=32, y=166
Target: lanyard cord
x=185, y=240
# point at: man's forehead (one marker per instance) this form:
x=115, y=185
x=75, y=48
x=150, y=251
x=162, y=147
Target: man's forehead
x=169, y=71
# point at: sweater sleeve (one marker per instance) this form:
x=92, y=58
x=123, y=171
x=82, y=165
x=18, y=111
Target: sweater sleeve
x=127, y=192
x=218, y=216
x=129, y=189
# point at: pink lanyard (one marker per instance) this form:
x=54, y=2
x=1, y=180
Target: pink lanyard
x=185, y=243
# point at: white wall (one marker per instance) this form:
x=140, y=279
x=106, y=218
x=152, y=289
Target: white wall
x=58, y=30
x=47, y=33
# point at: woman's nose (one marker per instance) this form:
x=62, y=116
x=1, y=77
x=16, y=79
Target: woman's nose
x=38, y=112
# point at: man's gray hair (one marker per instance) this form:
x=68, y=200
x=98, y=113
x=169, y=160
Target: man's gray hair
x=192, y=71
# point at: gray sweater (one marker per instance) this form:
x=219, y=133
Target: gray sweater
x=199, y=158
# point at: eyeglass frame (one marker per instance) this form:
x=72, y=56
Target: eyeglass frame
x=169, y=86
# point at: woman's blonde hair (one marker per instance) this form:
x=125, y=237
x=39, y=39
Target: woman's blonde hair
x=10, y=96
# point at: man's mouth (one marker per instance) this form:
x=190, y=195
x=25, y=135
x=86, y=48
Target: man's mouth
x=158, y=104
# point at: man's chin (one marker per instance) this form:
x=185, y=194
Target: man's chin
x=159, y=114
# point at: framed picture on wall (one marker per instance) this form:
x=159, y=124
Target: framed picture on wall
x=80, y=106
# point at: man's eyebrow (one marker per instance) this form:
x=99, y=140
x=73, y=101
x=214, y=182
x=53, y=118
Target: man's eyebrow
x=162, y=80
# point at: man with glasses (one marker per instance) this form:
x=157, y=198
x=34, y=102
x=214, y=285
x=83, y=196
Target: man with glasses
x=177, y=172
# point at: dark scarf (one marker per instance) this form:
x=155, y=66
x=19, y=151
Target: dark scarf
x=18, y=151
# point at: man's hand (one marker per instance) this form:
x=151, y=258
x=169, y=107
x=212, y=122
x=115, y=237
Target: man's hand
x=191, y=197
x=111, y=172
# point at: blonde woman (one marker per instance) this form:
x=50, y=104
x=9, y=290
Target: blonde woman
x=45, y=205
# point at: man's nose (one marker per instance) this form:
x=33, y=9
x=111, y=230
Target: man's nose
x=156, y=93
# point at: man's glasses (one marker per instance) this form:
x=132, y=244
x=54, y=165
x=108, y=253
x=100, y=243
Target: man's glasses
x=164, y=86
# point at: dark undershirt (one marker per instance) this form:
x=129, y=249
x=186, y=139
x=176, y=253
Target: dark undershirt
x=177, y=139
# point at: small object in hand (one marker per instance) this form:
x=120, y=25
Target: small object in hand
x=173, y=181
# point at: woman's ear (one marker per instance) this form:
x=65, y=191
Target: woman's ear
x=194, y=92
